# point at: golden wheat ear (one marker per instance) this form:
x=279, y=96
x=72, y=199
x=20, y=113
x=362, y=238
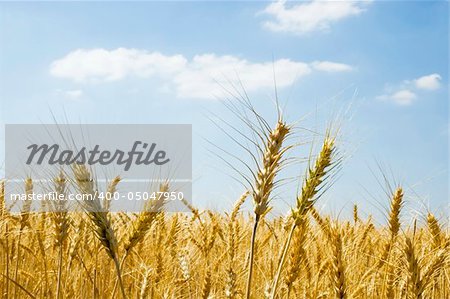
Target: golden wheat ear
x=435, y=230
x=338, y=265
x=3, y=209
x=110, y=191
x=145, y=219
x=312, y=185
x=265, y=176
x=61, y=224
x=59, y=215
x=100, y=221
x=264, y=182
x=394, y=214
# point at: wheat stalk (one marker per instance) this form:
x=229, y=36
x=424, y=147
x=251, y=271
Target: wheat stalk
x=24, y=222
x=435, y=230
x=112, y=188
x=338, y=267
x=414, y=282
x=99, y=217
x=60, y=224
x=264, y=183
x=305, y=201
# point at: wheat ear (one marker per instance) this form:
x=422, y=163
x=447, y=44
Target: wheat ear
x=414, y=281
x=432, y=271
x=144, y=221
x=338, y=267
x=393, y=224
x=435, y=230
x=355, y=213
x=24, y=222
x=142, y=225
x=102, y=227
x=296, y=255
x=2, y=200
x=265, y=178
x=305, y=201
x=232, y=247
x=60, y=225
x=112, y=188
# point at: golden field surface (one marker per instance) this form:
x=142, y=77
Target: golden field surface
x=96, y=253
x=206, y=255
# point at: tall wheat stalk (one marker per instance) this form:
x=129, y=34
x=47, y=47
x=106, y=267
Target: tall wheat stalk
x=231, y=290
x=61, y=225
x=99, y=217
x=142, y=225
x=24, y=222
x=311, y=186
x=264, y=184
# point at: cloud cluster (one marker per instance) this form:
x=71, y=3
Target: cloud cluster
x=98, y=65
x=73, y=94
x=199, y=77
x=331, y=67
x=405, y=95
x=430, y=82
x=316, y=15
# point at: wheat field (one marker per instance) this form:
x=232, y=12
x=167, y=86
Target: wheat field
x=236, y=254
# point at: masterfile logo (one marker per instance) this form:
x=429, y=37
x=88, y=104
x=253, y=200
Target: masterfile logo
x=144, y=157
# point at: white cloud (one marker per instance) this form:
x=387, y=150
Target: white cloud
x=74, y=94
x=402, y=97
x=199, y=77
x=429, y=82
x=406, y=93
x=328, y=66
x=316, y=15
x=205, y=74
x=110, y=65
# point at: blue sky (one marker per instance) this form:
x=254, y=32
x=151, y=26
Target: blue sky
x=156, y=62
